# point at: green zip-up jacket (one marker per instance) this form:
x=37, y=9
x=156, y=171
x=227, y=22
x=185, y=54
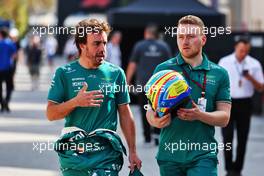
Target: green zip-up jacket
x=99, y=149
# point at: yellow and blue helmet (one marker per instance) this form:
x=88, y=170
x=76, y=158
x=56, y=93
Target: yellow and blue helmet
x=167, y=90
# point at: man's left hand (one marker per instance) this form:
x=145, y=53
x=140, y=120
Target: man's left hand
x=189, y=114
x=134, y=161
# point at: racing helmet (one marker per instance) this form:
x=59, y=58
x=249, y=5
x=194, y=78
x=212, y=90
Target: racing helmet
x=166, y=91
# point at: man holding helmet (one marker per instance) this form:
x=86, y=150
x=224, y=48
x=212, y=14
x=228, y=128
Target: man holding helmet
x=187, y=143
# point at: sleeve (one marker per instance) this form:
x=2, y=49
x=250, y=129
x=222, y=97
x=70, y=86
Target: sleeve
x=258, y=73
x=135, y=56
x=56, y=91
x=223, y=93
x=122, y=95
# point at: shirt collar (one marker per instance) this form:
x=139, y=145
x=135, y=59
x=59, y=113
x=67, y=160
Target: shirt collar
x=204, y=66
x=244, y=62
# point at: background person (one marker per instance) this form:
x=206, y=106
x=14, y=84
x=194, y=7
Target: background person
x=50, y=46
x=245, y=74
x=70, y=51
x=113, y=49
x=34, y=52
x=7, y=54
x=146, y=55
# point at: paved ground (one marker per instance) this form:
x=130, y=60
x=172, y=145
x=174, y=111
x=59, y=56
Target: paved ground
x=25, y=129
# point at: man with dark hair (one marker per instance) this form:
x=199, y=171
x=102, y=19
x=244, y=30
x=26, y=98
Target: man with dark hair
x=7, y=53
x=90, y=113
x=33, y=51
x=246, y=75
x=187, y=144
x=146, y=55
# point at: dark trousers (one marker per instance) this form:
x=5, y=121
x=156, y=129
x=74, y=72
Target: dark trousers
x=7, y=78
x=142, y=100
x=240, y=120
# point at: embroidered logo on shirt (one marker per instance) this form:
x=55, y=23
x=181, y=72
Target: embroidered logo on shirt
x=92, y=76
x=69, y=70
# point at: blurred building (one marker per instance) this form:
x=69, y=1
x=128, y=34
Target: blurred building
x=241, y=15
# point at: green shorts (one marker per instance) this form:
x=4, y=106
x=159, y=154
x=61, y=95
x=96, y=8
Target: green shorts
x=202, y=167
x=98, y=172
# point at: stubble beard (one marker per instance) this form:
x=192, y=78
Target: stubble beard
x=191, y=55
x=96, y=62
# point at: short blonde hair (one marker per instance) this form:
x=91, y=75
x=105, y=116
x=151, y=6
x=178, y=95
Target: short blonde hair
x=191, y=19
x=93, y=26
x=194, y=20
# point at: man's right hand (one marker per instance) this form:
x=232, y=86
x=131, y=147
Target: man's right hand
x=158, y=122
x=88, y=98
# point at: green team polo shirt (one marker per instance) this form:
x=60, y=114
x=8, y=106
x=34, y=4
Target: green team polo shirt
x=108, y=78
x=187, y=141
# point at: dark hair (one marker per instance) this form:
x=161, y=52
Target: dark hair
x=89, y=26
x=243, y=39
x=4, y=32
x=153, y=29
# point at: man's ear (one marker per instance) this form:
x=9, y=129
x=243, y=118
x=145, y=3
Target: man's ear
x=82, y=46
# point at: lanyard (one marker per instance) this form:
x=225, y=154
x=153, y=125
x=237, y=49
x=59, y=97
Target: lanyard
x=240, y=73
x=202, y=86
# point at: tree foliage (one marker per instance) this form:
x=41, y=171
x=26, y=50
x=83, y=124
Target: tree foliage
x=18, y=11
